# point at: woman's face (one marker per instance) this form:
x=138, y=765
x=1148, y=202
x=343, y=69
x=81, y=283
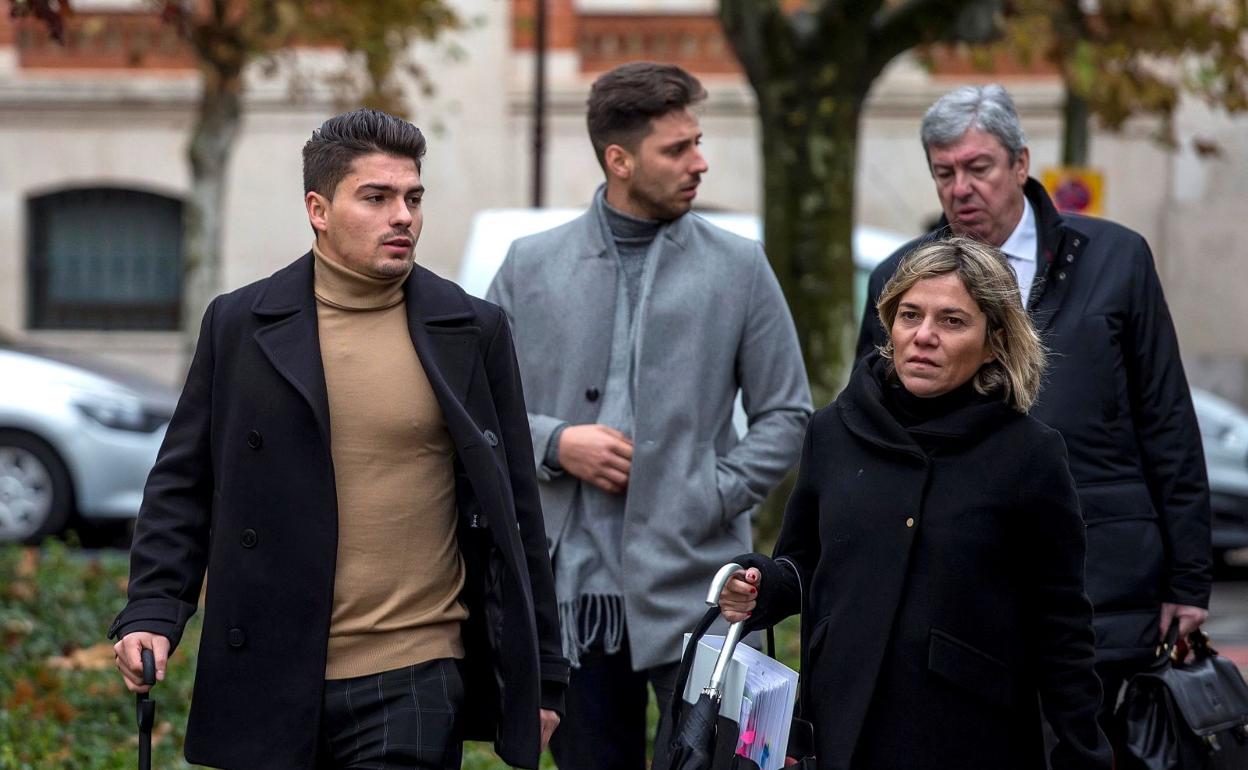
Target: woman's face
x=940, y=336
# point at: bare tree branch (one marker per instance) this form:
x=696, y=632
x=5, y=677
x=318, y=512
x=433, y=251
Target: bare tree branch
x=898, y=28
x=749, y=25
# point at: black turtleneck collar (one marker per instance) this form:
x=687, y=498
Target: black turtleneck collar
x=876, y=407
x=911, y=410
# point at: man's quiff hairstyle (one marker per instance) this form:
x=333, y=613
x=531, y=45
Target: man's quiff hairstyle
x=622, y=103
x=328, y=155
x=1018, y=364
x=988, y=108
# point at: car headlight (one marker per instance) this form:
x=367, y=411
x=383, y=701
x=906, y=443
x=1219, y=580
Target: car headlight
x=121, y=414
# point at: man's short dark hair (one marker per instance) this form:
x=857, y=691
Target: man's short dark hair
x=328, y=155
x=623, y=101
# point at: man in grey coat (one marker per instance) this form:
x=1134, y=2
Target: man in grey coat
x=636, y=325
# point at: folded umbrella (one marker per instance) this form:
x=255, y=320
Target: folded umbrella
x=145, y=710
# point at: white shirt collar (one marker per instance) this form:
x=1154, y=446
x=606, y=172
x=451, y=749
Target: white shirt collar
x=1021, y=244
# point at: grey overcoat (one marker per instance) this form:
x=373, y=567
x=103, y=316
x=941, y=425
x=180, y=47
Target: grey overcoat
x=714, y=322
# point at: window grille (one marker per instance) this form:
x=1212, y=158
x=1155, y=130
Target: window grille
x=105, y=258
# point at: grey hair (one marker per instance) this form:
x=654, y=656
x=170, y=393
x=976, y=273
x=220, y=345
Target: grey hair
x=988, y=108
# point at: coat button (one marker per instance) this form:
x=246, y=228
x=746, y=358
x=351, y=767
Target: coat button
x=1061, y=276
x=236, y=637
x=1070, y=258
x=249, y=538
x=1076, y=242
x=254, y=439
x=592, y=394
x=910, y=522
x=490, y=438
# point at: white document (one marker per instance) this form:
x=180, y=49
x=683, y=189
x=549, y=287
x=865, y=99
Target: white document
x=758, y=694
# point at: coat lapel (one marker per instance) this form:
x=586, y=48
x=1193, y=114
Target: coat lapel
x=290, y=339
x=445, y=335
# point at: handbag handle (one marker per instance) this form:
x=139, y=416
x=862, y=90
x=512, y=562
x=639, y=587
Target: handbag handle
x=1198, y=642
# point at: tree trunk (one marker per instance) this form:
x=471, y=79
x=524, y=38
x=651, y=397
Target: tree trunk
x=1074, y=130
x=212, y=142
x=809, y=156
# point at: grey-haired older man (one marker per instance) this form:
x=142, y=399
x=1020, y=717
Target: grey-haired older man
x=1115, y=387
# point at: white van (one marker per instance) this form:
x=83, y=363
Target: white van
x=493, y=230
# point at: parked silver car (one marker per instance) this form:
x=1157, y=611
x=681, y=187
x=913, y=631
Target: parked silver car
x=1224, y=434
x=76, y=436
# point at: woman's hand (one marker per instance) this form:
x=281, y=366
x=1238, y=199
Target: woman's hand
x=740, y=595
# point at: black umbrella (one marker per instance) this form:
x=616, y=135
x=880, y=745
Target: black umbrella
x=688, y=738
x=145, y=709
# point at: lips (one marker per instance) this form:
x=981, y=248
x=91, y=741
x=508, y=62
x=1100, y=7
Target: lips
x=402, y=243
x=922, y=361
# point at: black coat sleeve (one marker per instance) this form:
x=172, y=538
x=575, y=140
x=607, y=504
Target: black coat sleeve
x=1168, y=436
x=1061, y=651
x=786, y=576
x=169, y=553
x=504, y=374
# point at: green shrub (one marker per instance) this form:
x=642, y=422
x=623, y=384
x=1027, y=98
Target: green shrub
x=62, y=702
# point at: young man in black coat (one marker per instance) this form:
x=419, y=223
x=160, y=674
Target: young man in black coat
x=1115, y=387
x=350, y=463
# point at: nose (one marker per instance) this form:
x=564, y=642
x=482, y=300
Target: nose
x=400, y=214
x=926, y=335
x=700, y=165
x=961, y=184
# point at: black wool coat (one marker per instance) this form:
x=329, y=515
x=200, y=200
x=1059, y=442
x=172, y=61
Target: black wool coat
x=941, y=591
x=243, y=488
x=1115, y=389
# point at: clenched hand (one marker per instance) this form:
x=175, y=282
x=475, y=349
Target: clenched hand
x=597, y=454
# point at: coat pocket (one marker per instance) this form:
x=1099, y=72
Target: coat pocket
x=1125, y=559
x=970, y=669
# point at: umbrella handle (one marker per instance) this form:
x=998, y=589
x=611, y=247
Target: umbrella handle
x=715, y=685
x=145, y=710
x=719, y=581
x=148, y=658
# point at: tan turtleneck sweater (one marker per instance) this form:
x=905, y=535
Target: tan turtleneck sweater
x=399, y=572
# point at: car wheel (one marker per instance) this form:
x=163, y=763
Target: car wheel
x=35, y=493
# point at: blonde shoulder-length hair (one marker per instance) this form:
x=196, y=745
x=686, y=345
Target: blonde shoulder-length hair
x=1018, y=354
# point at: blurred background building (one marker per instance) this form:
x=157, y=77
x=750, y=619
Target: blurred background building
x=93, y=167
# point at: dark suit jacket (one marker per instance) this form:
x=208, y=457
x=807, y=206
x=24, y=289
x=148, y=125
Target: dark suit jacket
x=1115, y=389
x=243, y=487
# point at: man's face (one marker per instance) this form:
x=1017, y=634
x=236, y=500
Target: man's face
x=665, y=170
x=980, y=190
x=373, y=222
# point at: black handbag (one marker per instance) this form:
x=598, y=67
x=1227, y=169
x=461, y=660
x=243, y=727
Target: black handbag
x=1186, y=714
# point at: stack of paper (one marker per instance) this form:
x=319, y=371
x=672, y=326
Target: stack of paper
x=758, y=694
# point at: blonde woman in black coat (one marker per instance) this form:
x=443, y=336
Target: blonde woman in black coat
x=934, y=546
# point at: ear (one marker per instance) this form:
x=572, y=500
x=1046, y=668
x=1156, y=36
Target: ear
x=1023, y=165
x=318, y=207
x=619, y=162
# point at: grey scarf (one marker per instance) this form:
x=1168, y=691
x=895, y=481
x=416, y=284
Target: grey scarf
x=587, y=562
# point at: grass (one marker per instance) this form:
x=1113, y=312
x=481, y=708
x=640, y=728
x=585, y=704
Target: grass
x=62, y=703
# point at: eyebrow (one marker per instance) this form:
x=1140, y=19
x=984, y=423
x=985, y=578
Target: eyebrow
x=682, y=142
x=945, y=310
x=968, y=161
x=383, y=187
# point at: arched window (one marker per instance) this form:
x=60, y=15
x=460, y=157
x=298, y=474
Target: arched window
x=105, y=258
